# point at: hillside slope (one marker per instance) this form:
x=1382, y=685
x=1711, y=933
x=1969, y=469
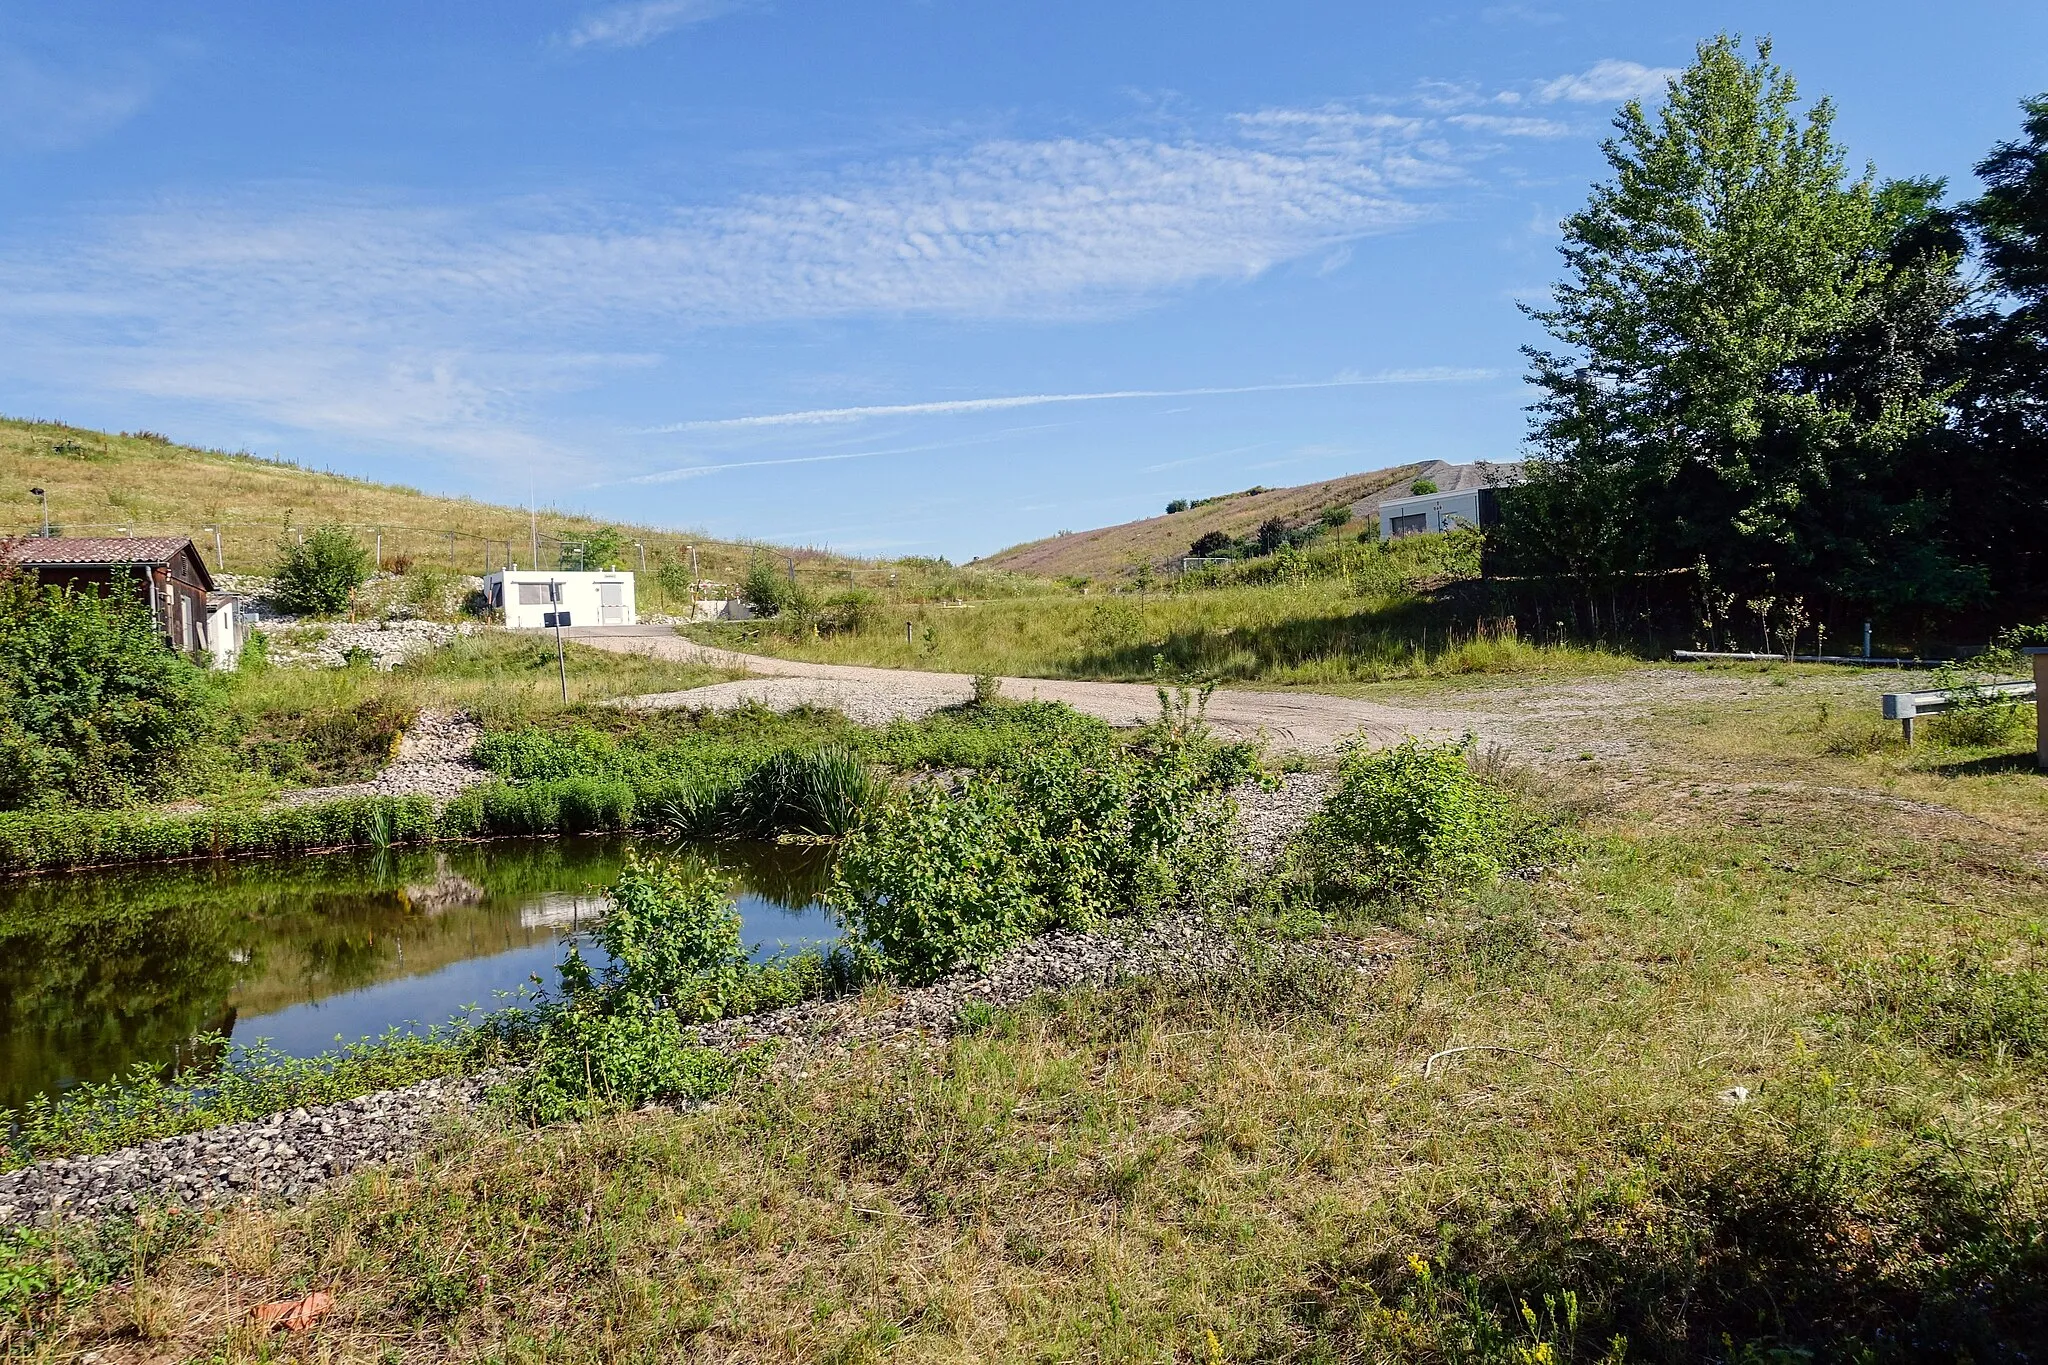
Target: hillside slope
x=141, y=483
x=1162, y=540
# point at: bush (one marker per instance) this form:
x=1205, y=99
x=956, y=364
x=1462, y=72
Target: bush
x=1052, y=837
x=1405, y=821
x=94, y=707
x=764, y=590
x=934, y=879
x=318, y=575
x=621, y=1039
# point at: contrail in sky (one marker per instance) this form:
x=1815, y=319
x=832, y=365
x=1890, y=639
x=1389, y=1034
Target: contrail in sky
x=814, y=416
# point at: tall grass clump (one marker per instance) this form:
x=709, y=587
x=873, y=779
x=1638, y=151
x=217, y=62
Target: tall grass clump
x=1959, y=1004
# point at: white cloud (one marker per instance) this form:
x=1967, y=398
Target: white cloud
x=44, y=110
x=641, y=22
x=1607, y=81
x=951, y=406
x=444, y=326
x=1510, y=125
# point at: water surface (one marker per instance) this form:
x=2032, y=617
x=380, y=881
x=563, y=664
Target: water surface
x=100, y=970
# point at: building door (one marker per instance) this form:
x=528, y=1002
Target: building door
x=611, y=604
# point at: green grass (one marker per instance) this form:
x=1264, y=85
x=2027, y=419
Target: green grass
x=286, y=727
x=1279, y=1165
x=1337, y=614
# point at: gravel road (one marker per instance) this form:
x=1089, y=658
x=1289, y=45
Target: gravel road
x=1300, y=721
x=1539, y=719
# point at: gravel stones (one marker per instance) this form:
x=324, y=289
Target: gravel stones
x=326, y=644
x=433, y=760
x=279, y=1159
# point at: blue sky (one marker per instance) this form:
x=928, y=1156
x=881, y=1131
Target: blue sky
x=892, y=276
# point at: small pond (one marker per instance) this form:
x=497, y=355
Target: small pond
x=100, y=970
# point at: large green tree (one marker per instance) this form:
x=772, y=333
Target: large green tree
x=1747, y=352
x=2001, y=454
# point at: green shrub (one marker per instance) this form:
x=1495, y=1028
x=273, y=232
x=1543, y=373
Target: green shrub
x=1406, y=821
x=318, y=575
x=933, y=880
x=588, y=1060
x=1050, y=837
x=621, y=1038
x=764, y=590
x=94, y=707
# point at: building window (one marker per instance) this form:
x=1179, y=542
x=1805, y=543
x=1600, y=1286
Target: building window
x=533, y=594
x=1413, y=524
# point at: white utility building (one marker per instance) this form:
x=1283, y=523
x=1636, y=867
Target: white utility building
x=1464, y=496
x=531, y=598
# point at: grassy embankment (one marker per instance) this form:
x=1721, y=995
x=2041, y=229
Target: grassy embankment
x=1337, y=612
x=1761, y=1079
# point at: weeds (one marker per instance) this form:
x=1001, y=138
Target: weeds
x=1959, y=1004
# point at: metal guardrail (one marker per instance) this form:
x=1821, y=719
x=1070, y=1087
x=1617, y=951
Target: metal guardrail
x=1858, y=660
x=1907, y=707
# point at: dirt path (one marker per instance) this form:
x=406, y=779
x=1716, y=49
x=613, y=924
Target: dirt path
x=1559, y=719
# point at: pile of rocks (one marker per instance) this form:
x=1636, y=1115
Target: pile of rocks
x=326, y=644
x=433, y=760
x=281, y=1158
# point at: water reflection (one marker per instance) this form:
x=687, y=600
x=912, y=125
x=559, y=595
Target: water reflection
x=102, y=970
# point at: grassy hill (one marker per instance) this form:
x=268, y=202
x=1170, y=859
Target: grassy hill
x=1110, y=551
x=145, y=484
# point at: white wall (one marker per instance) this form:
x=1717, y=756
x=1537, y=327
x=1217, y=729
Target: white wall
x=1444, y=511
x=591, y=599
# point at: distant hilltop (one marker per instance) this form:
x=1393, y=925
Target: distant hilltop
x=1110, y=551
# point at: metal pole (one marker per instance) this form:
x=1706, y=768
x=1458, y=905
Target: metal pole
x=380, y=549
x=1866, y=639
x=909, y=635
x=561, y=659
x=219, y=564
x=451, y=549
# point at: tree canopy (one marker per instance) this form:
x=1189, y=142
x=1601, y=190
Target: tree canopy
x=1773, y=371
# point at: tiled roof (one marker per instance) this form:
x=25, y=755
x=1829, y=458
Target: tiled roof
x=95, y=549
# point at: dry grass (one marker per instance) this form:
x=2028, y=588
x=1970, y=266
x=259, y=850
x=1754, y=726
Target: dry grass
x=1204, y=1174
x=1319, y=634
x=99, y=483
x=1109, y=553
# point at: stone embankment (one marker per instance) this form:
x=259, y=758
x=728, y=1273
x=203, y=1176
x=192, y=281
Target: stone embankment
x=433, y=760
x=287, y=1156
x=327, y=644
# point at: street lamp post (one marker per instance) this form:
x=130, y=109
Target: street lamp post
x=46, y=510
